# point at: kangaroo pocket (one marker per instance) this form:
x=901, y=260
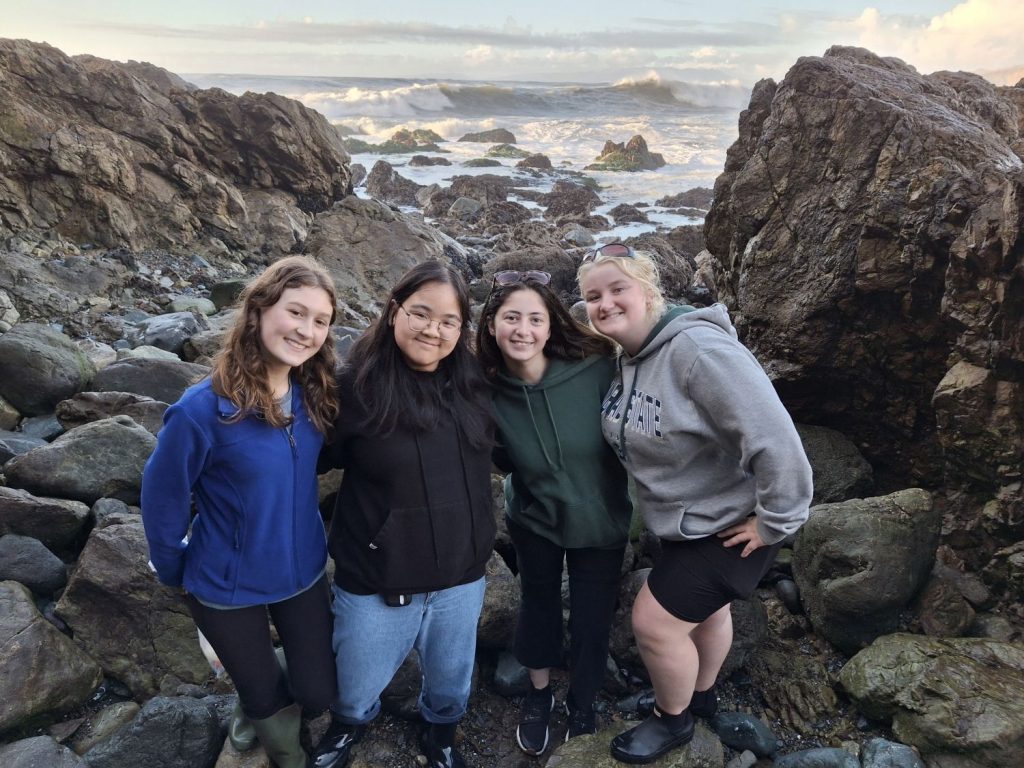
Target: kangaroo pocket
x=423, y=546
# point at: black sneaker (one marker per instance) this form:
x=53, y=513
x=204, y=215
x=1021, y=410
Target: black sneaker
x=335, y=746
x=439, y=756
x=582, y=722
x=532, y=733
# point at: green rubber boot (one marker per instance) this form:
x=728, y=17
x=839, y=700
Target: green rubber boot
x=279, y=735
x=240, y=731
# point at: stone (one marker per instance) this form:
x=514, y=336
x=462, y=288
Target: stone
x=9, y=314
x=501, y=606
x=882, y=753
x=506, y=151
x=38, y=752
x=112, y=512
x=819, y=757
x=163, y=380
x=57, y=523
x=45, y=427
x=386, y=184
x=223, y=294
x=698, y=197
x=464, y=208
x=87, y=407
x=488, y=188
x=628, y=214
x=100, y=726
x=796, y=687
x=621, y=643
x=482, y=162
x=704, y=751
x=138, y=630
x=840, y=472
x=493, y=136
x=577, y=235
x=9, y=416
x=510, y=677
x=167, y=332
x=741, y=731
x=749, y=629
x=100, y=459
x=501, y=215
x=424, y=160
x=15, y=443
x=946, y=696
x=99, y=354
x=846, y=559
x=942, y=609
x=167, y=733
x=631, y=156
x=147, y=352
x=193, y=304
x=45, y=673
x=39, y=367
x=535, y=161
x=569, y=199
x=28, y=562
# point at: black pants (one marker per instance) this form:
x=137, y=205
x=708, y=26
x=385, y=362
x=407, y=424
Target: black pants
x=593, y=590
x=241, y=638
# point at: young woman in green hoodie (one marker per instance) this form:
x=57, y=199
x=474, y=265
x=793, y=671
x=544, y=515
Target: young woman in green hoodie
x=565, y=492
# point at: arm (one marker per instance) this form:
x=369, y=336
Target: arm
x=180, y=455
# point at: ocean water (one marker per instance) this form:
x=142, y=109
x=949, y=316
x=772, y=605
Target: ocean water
x=691, y=125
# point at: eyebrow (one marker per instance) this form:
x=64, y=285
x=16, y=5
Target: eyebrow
x=429, y=310
x=305, y=307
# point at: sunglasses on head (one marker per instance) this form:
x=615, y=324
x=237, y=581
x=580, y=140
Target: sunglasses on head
x=512, y=276
x=611, y=250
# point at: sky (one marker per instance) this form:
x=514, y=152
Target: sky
x=728, y=41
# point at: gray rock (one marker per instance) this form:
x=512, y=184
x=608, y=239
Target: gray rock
x=993, y=627
x=45, y=673
x=225, y=293
x=510, y=677
x=28, y=562
x=167, y=733
x=577, y=235
x=492, y=136
x=882, y=753
x=100, y=726
x=9, y=416
x=39, y=367
x=15, y=443
x=202, y=347
x=947, y=697
x=501, y=606
x=621, y=642
x=749, y=629
x=840, y=472
x=820, y=757
x=190, y=303
x=745, y=759
x=45, y=427
x=741, y=731
x=113, y=512
x=138, y=630
x=464, y=208
x=859, y=563
x=942, y=609
x=704, y=751
x=57, y=523
x=38, y=752
x=145, y=351
x=100, y=354
x=162, y=380
x=386, y=184
x=167, y=332
x=87, y=407
x=101, y=459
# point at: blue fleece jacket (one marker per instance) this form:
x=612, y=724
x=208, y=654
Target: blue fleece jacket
x=257, y=536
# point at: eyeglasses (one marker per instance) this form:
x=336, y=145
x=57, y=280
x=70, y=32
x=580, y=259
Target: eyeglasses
x=447, y=329
x=611, y=250
x=512, y=276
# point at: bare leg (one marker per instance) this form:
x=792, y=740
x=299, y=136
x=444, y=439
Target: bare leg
x=668, y=652
x=540, y=678
x=713, y=638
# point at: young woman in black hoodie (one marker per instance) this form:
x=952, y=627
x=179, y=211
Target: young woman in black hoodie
x=413, y=525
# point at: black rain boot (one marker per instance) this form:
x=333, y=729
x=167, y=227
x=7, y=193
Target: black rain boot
x=704, y=703
x=438, y=742
x=658, y=734
x=335, y=747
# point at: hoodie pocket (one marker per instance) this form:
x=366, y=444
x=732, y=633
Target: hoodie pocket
x=421, y=545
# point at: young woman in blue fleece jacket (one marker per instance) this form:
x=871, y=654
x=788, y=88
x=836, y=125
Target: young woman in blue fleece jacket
x=243, y=447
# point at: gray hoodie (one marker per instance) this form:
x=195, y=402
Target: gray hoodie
x=703, y=433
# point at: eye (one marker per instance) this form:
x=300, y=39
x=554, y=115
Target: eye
x=294, y=312
x=451, y=325
x=421, y=317
x=322, y=323
x=591, y=298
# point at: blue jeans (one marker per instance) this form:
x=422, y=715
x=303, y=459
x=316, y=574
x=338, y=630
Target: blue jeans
x=372, y=639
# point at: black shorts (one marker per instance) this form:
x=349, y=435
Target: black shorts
x=692, y=579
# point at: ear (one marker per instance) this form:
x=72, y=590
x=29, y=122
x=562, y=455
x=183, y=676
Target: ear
x=392, y=311
x=490, y=326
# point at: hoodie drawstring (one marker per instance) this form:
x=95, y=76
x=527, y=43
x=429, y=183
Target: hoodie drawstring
x=536, y=429
x=430, y=505
x=625, y=411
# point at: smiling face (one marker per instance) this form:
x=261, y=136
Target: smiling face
x=617, y=305
x=294, y=329
x=424, y=350
x=521, y=327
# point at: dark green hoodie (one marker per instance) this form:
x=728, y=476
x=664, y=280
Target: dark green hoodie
x=565, y=482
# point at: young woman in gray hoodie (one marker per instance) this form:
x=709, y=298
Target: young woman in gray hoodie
x=565, y=494
x=720, y=473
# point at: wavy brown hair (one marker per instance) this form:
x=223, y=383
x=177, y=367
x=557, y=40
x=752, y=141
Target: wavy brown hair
x=569, y=339
x=240, y=370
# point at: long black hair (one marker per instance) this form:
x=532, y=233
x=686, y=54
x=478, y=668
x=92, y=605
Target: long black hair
x=394, y=395
x=569, y=339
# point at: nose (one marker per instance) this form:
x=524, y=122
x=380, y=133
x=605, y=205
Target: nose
x=433, y=328
x=305, y=328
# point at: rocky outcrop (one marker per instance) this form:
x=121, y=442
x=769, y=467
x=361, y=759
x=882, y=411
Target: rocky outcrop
x=119, y=155
x=493, y=136
x=870, y=221
x=957, y=699
x=860, y=563
x=385, y=183
x=631, y=156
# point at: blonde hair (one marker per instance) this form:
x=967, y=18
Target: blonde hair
x=641, y=267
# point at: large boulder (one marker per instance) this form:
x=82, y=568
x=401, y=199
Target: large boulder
x=117, y=155
x=138, y=630
x=28, y=562
x=57, y=523
x=840, y=472
x=167, y=332
x=38, y=752
x=386, y=184
x=957, y=698
x=16, y=443
x=869, y=219
x=44, y=672
x=493, y=136
x=163, y=380
x=101, y=459
x=39, y=367
x=86, y=407
x=631, y=156
x=860, y=563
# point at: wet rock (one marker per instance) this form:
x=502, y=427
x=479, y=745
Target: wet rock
x=100, y=459
x=698, y=197
x=38, y=752
x=506, y=151
x=45, y=673
x=535, y=161
x=631, y=156
x=569, y=199
x=941, y=609
x=57, y=523
x=86, y=407
x=386, y=184
x=840, y=472
x=882, y=753
x=501, y=606
x=993, y=627
x=138, y=630
x=424, y=160
x=493, y=136
x=464, y=208
x=796, y=688
x=482, y=162
x=15, y=443
x=192, y=304
x=704, y=751
x=819, y=757
x=167, y=332
x=740, y=731
x=45, y=427
x=167, y=733
x=9, y=315
x=162, y=380
x=749, y=629
x=510, y=677
x=40, y=368
x=502, y=215
x=846, y=554
x=577, y=235
x=789, y=594
x=946, y=697
x=225, y=293
x=628, y=214
x=101, y=725
x=9, y=416
x=488, y=188
x=28, y=562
